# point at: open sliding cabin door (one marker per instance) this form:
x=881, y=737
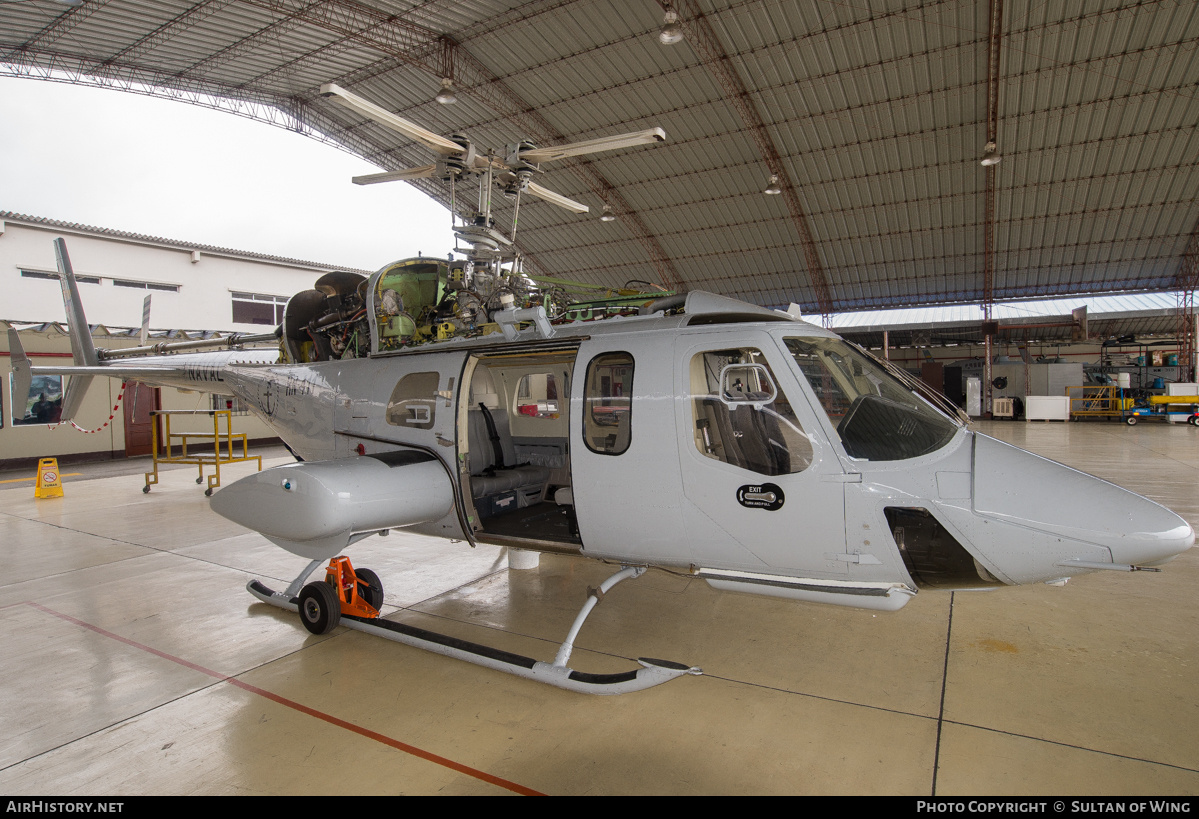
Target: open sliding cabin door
x=514, y=427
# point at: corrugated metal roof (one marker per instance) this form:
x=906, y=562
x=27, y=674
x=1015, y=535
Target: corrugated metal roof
x=1097, y=306
x=874, y=113
x=41, y=221
x=1108, y=316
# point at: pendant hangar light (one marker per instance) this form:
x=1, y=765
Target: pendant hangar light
x=446, y=95
x=671, y=32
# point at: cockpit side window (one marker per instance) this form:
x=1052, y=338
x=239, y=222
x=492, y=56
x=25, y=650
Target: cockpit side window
x=741, y=417
x=413, y=402
x=875, y=414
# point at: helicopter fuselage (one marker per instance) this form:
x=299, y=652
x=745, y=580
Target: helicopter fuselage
x=704, y=435
x=763, y=456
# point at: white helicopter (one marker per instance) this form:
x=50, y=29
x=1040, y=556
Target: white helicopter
x=691, y=433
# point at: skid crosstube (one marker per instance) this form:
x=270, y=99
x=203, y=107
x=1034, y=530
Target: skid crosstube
x=652, y=672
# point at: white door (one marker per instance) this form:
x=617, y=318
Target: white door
x=763, y=489
x=624, y=460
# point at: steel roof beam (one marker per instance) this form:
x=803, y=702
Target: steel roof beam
x=196, y=14
x=263, y=107
x=59, y=28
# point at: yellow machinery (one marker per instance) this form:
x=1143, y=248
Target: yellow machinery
x=222, y=446
x=1113, y=402
x=1167, y=408
x=1097, y=402
x=1185, y=400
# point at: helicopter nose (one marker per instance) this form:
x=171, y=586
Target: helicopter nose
x=1070, y=519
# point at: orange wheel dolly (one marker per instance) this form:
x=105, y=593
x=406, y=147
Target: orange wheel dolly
x=345, y=590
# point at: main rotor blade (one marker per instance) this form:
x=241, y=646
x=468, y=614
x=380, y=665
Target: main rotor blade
x=397, y=123
x=555, y=198
x=395, y=176
x=592, y=146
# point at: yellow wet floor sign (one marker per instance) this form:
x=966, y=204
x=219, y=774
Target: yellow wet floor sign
x=48, y=484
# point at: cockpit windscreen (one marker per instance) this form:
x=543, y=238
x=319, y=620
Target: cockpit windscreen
x=876, y=416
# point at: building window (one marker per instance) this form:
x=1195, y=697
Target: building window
x=43, y=404
x=169, y=288
x=256, y=308
x=608, y=404
x=42, y=274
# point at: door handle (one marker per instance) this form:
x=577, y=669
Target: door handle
x=842, y=477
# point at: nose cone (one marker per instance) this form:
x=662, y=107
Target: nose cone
x=1023, y=489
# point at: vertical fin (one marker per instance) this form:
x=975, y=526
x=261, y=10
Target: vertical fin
x=82, y=349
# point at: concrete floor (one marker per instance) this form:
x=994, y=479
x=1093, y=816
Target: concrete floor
x=136, y=663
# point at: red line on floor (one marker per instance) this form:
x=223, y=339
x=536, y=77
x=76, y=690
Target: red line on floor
x=303, y=709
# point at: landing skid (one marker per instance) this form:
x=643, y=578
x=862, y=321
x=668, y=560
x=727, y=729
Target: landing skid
x=652, y=672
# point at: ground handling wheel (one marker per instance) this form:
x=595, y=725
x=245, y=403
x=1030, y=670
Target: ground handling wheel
x=370, y=588
x=358, y=591
x=320, y=610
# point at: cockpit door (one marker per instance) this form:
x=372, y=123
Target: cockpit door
x=763, y=490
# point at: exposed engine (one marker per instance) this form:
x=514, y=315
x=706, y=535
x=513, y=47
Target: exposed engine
x=416, y=301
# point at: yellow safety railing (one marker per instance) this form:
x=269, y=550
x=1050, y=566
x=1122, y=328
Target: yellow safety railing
x=219, y=439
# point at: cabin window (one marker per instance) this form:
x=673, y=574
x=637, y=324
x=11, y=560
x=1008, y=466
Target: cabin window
x=537, y=396
x=608, y=404
x=41, y=274
x=413, y=403
x=741, y=417
x=230, y=402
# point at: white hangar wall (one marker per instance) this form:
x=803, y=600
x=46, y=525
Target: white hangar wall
x=192, y=285
x=193, y=289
